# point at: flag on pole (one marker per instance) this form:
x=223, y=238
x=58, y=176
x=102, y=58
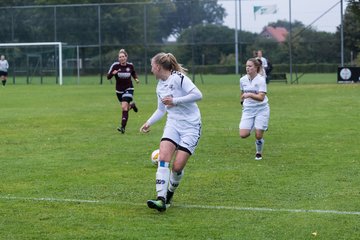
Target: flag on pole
x=261, y=10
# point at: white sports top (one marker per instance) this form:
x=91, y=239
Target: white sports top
x=184, y=93
x=258, y=84
x=4, y=65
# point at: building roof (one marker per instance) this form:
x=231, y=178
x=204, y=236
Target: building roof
x=278, y=33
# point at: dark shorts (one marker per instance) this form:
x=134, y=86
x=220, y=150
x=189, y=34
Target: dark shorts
x=126, y=96
x=2, y=73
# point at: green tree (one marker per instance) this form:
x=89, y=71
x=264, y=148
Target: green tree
x=352, y=30
x=271, y=49
x=185, y=14
x=74, y=22
x=308, y=45
x=354, y=6
x=311, y=46
x=246, y=45
x=276, y=52
x=206, y=44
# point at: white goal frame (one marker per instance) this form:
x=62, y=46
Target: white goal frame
x=58, y=44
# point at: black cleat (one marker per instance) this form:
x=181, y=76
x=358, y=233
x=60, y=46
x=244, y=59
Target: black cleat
x=121, y=129
x=258, y=156
x=133, y=106
x=158, y=204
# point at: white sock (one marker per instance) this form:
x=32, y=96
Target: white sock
x=175, y=179
x=162, y=178
x=259, y=144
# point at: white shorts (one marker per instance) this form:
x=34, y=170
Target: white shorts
x=183, y=134
x=255, y=117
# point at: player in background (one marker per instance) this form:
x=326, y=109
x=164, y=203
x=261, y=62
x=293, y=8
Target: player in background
x=262, y=58
x=256, y=110
x=4, y=66
x=176, y=97
x=123, y=71
x=264, y=64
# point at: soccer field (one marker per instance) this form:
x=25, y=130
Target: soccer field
x=66, y=173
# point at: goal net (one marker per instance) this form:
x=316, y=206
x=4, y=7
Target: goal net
x=34, y=61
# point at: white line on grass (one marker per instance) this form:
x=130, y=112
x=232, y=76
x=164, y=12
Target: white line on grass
x=271, y=209
x=186, y=206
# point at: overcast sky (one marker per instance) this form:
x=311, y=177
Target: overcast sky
x=306, y=11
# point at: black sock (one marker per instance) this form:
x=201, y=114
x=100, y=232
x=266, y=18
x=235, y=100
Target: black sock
x=125, y=116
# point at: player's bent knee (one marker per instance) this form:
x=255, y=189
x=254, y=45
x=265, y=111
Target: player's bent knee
x=244, y=134
x=177, y=170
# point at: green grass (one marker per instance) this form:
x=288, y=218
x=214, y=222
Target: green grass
x=66, y=173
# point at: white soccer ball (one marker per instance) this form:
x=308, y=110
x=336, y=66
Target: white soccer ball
x=155, y=157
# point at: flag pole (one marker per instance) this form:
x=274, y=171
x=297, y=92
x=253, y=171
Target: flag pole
x=342, y=33
x=236, y=41
x=240, y=27
x=290, y=44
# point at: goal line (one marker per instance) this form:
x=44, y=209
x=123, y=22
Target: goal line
x=56, y=44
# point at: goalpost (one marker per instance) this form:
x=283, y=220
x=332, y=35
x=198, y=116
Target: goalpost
x=56, y=44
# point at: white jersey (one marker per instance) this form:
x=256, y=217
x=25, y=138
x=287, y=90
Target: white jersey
x=258, y=84
x=263, y=72
x=4, y=65
x=184, y=93
x=264, y=62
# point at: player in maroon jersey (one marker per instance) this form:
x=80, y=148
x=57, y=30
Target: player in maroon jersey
x=123, y=71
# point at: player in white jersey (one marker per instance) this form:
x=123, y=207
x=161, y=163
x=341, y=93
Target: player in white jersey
x=264, y=64
x=177, y=96
x=263, y=60
x=4, y=65
x=256, y=110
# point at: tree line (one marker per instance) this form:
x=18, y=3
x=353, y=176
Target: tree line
x=197, y=27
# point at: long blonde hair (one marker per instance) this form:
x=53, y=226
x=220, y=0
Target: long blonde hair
x=168, y=62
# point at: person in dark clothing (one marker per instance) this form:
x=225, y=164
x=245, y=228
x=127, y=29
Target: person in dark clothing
x=124, y=72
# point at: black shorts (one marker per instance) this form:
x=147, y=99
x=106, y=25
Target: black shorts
x=126, y=96
x=2, y=73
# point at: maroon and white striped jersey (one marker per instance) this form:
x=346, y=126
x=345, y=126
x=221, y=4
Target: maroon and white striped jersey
x=123, y=76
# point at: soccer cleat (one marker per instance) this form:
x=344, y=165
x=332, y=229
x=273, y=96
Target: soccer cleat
x=121, y=129
x=258, y=156
x=169, y=196
x=133, y=106
x=158, y=204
